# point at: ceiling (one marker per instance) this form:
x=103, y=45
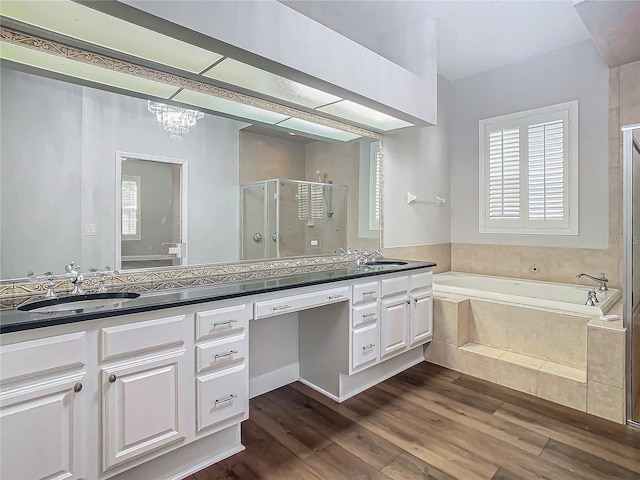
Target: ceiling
x=472, y=36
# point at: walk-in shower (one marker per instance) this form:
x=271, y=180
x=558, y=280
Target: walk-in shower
x=284, y=218
x=631, y=243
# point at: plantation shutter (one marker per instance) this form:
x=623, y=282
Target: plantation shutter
x=129, y=207
x=546, y=171
x=504, y=173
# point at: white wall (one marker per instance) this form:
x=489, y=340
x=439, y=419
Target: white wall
x=416, y=160
x=59, y=143
x=282, y=35
x=573, y=73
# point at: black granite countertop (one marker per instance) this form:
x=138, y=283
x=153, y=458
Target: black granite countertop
x=15, y=320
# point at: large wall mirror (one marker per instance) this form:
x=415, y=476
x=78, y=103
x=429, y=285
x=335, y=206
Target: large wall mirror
x=91, y=176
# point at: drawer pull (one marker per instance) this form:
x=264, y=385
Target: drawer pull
x=335, y=297
x=370, y=292
x=224, y=322
x=112, y=378
x=226, y=399
x=228, y=354
x=280, y=307
x=368, y=347
x=368, y=315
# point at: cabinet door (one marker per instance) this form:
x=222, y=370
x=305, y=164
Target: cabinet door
x=393, y=326
x=421, y=324
x=140, y=408
x=40, y=430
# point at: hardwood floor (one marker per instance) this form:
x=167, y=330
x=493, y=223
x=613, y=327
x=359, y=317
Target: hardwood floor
x=426, y=423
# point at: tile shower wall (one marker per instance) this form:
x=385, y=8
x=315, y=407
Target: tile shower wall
x=562, y=264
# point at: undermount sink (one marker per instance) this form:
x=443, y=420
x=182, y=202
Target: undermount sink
x=381, y=263
x=78, y=302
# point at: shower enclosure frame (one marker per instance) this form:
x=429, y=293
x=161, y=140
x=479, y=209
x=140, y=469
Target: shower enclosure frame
x=278, y=183
x=627, y=263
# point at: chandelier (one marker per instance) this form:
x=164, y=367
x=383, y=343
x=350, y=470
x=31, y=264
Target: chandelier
x=175, y=120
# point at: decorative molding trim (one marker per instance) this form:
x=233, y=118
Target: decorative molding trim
x=14, y=294
x=54, y=48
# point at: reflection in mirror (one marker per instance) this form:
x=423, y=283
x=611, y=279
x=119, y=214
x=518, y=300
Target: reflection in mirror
x=61, y=145
x=152, y=212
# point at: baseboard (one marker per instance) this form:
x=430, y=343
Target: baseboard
x=320, y=390
x=272, y=380
x=207, y=463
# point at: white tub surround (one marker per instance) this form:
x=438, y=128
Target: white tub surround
x=559, y=297
x=522, y=335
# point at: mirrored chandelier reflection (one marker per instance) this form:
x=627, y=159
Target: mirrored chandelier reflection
x=175, y=120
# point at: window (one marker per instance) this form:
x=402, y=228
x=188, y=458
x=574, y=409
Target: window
x=130, y=207
x=529, y=172
x=374, y=187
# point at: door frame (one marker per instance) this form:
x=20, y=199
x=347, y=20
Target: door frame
x=184, y=199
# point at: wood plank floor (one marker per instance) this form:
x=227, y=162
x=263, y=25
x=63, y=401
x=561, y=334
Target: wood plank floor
x=426, y=423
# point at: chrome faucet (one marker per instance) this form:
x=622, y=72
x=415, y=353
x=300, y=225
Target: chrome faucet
x=592, y=298
x=73, y=271
x=602, y=280
x=101, y=274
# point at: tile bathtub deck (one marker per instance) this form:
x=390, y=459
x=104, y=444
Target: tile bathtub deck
x=427, y=422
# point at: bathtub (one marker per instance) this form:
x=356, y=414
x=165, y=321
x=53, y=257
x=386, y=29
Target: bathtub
x=559, y=297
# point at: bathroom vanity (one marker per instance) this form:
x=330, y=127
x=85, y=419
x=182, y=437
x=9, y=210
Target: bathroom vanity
x=157, y=387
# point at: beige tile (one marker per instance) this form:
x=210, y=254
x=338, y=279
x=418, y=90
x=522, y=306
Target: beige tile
x=451, y=320
x=464, y=321
x=614, y=87
x=630, y=84
x=524, y=361
x=566, y=341
x=614, y=123
x=527, y=331
x=480, y=366
x=489, y=323
x=437, y=352
x=484, y=350
x=606, y=357
x=445, y=320
x=606, y=402
x=629, y=114
x=570, y=373
x=562, y=390
x=516, y=376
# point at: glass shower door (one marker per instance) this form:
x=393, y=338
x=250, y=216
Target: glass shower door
x=254, y=222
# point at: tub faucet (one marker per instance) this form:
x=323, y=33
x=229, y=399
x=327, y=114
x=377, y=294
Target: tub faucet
x=602, y=280
x=592, y=298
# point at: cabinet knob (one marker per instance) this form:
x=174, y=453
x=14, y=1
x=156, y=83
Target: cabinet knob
x=112, y=378
x=77, y=387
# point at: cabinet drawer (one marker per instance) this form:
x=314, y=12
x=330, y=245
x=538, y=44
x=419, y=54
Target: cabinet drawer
x=394, y=286
x=278, y=306
x=222, y=398
x=222, y=353
x=364, y=314
x=365, y=346
x=141, y=336
x=366, y=292
x=421, y=281
x=45, y=355
x=223, y=322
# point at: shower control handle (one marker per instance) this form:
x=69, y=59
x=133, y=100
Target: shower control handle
x=257, y=237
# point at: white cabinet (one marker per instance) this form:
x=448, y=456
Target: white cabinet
x=142, y=402
x=393, y=326
x=41, y=429
x=42, y=408
x=141, y=407
x=222, y=380
x=421, y=318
